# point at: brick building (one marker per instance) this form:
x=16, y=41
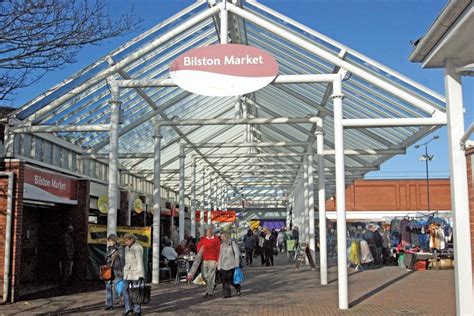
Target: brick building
x=376, y=199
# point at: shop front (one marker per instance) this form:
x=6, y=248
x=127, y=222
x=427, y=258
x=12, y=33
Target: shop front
x=46, y=203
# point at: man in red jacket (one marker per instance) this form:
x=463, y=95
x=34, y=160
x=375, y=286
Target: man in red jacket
x=210, y=254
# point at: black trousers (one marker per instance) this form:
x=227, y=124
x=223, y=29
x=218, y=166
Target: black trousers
x=268, y=256
x=227, y=281
x=249, y=256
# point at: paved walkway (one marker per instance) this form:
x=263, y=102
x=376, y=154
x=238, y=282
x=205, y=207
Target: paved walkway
x=279, y=291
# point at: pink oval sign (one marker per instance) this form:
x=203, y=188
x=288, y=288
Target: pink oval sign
x=224, y=70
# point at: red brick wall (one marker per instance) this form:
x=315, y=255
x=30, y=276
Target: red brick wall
x=18, y=169
x=79, y=219
x=394, y=195
x=470, y=181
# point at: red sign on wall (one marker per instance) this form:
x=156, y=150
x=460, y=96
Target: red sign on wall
x=224, y=70
x=49, y=187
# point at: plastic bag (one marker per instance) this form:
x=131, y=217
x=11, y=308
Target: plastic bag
x=119, y=287
x=238, y=276
x=199, y=280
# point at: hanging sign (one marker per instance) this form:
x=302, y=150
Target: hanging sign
x=217, y=216
x=224, y=70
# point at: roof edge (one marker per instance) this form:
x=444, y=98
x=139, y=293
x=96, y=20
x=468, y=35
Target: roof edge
x=438, y=29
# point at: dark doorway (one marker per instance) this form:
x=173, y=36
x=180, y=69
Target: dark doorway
x=42, y=231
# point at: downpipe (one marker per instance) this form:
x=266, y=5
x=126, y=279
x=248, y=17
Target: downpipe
x=8, y=235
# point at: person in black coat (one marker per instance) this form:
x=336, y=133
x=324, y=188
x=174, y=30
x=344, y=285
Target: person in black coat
x=378, y=246
x=269, y=243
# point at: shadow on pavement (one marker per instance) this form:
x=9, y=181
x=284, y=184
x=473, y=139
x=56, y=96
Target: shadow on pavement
x=379, y=289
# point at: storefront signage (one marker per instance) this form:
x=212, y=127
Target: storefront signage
x=224, y=70
x=49, y=187
x=218, y=216
x=97, y=234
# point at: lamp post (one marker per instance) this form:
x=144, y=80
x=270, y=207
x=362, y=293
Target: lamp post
x=427, y=158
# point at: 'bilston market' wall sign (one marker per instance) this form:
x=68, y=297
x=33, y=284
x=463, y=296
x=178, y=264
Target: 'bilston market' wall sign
x=224, y=70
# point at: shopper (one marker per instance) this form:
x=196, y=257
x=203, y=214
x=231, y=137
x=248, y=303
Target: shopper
x=174, y=236
x=378, y=245
x=229, y=259
x=250, y=242
x=183, y=248
x=170, y=255
x=66, y=260
x=368, y=236
x=385, y=233
x=134, y=271
x=115, y=257
x=281, y=240
x=210, y=255
x=268, y=245
x=295, y=236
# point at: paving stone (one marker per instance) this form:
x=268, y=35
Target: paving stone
x=279, y=291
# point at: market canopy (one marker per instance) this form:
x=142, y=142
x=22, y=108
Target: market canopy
x=371, y=91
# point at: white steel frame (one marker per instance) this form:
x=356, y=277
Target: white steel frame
x=302, y=198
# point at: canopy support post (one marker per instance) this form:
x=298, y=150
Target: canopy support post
x=156, y=205
x=323, y=253
x=182, y=157
x=459, y=193
x=193, y=198
x=340, y=196
x=113, y=161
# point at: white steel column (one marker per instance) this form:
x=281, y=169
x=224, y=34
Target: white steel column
x=156, y=206
x=306, y=199
x=203, y=202
x=309, y=166
x=193, y=198
x=224, y=32
x=459, y=193
x=340, y=196
x=113, y=162
x=209, y=201
x=323, y=253
x=182, y=158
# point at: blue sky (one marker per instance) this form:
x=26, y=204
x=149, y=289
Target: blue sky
x=379, y=29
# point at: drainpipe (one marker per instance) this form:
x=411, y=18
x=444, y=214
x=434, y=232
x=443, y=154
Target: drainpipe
x=8, y=235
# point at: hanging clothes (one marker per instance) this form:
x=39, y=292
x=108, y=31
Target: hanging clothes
x=395, y=226
x=405, y=234
x=437, y=237
x=365, y=254
x=354, y=253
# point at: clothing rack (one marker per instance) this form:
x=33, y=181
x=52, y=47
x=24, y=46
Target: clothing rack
x=358, y=266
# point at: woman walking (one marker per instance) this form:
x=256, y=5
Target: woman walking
x=269, y=243
x=228, y=261
x=133, y=272
x=115, y=258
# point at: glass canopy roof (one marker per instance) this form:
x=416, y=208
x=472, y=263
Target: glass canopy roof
x=84, y=99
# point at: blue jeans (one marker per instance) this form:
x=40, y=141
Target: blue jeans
x=111, y=292
x=126, y=299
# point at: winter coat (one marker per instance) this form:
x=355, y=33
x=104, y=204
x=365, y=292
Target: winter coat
x=115, y=257
x=134, y=268
x=229, y=256
x=250, y=241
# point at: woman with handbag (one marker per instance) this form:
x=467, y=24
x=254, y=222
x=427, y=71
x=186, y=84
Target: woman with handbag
x=229, y=259
x=115, y=259
x=133, y=273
